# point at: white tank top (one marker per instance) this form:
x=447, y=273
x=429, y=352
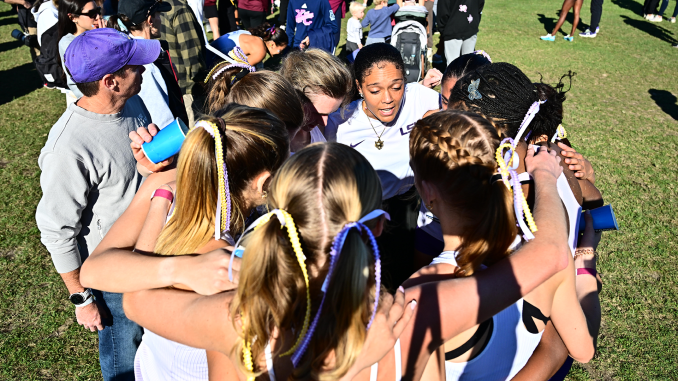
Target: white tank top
x=161, y=359
x=507, y=350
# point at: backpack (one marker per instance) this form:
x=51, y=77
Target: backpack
x=47, y=62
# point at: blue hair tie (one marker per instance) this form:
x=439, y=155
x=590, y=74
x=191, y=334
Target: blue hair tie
x=122, y=26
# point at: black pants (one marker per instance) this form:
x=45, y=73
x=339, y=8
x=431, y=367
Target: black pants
x=596, y=12
x=651, y=7
x=396, y=243
x=251, y=19
x=282, y=17
x=226, y=11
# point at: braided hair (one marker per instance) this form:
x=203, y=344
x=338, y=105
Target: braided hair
x=454, y=151
x=506, y=94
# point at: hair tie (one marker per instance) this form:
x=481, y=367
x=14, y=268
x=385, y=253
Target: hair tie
x=122, y=25
x=271, y=30
x=531, y=113
x=507, y=166
x=560, y=134
x=484, y=54
x=221, y=222
x=285, y=220
x=238, y=58
x=337, y=245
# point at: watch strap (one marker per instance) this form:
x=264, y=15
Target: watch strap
x=88, y=301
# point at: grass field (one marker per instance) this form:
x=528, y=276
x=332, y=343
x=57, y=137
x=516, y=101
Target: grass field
x=621, y=113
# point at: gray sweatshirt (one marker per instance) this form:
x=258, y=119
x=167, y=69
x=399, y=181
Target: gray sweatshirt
x=88, y=179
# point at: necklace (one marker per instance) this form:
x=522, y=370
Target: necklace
x=379, y=143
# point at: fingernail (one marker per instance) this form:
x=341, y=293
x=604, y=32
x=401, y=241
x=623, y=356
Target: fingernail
x=413, y=305
x=401, y=289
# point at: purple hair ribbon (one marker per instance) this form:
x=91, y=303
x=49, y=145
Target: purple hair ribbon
x=531, y=113
x=337, y=245
x=484, y=54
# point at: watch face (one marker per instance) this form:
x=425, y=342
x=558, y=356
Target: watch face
x=77, y=299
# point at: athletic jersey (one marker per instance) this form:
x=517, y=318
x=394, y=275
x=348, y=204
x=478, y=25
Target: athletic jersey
x=507, y=350
x=224, y=44
x=161, y=359
x=352, y=127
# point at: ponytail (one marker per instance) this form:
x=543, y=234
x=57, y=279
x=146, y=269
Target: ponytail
x=268, y=32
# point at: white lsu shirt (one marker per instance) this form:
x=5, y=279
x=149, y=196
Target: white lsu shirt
x=392, y=162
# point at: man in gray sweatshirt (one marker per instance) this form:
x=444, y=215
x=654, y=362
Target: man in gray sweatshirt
x=89, y=178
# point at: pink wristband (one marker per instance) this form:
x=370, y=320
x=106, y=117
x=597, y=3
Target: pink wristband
x=586, y=270
x=164, y=194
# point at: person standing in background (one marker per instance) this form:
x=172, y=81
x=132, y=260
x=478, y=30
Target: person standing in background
x=458, y=22
x=212, y=16
x=184, y=37
x=141, y=19
x=596, y=12
x=89, y=177
x=305, y=16
x=253, y=13
x=339, y=10
x=354, y=30
x=379, y=20
x=660, y=15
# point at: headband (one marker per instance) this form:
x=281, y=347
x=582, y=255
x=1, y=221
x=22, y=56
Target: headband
x=560, y=134
x=337, y=245
x=507, y=166
x=222, y=221
x=531, y=113
x=238, y=58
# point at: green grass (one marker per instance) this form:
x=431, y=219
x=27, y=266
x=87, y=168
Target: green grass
x=631, y=139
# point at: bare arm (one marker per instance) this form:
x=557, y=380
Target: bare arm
x=155, y=221
x=549, y=356
x=474, y=299
x=220, y=367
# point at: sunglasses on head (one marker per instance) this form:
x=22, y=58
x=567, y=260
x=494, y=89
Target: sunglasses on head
x=91, y=14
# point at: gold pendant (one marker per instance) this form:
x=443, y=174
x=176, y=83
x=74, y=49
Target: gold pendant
x=379, y=144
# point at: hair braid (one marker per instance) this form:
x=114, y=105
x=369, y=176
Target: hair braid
x=454, y=151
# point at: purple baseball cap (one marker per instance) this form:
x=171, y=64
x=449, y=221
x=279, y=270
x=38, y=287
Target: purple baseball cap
x=98, y=52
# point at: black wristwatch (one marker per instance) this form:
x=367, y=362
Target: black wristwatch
x=81, y=299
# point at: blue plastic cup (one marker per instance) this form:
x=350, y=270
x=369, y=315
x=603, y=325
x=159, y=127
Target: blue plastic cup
x=166, y=143
x=603, y=219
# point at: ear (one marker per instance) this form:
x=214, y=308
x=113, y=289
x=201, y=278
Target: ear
x=72, y=16
x=149, y=19
x=109, y=82
x=379, y=227
x=428, y=192
x=357, y=84
x=261, y=181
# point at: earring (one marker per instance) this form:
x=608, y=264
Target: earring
x=429, y=206
x=361, y=94
x=264, y=194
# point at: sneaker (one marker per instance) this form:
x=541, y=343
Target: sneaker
x=655, y=18
x=49, y=86
x=548, y=37
x=673, y=20
x=675, y=46
x=589, y=34
x=568, y=38
x=597, y=29
x=648, y=16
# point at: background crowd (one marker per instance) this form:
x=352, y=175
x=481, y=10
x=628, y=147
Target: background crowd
x=313, y=99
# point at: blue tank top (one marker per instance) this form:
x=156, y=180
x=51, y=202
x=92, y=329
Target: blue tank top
x=224, y=44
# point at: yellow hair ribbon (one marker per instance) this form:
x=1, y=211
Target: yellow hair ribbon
x=288, y=222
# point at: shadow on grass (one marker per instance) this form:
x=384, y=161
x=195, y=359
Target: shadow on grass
x=10, y=21
x=632, y=5
x=651, y=29
x=7, y=13
x=18, y=81
x=550, y=23
x=9, y=45
x=666, y=101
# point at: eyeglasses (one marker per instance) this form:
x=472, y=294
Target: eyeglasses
x=91, y=14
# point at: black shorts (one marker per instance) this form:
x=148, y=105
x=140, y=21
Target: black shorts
x=210, y=11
